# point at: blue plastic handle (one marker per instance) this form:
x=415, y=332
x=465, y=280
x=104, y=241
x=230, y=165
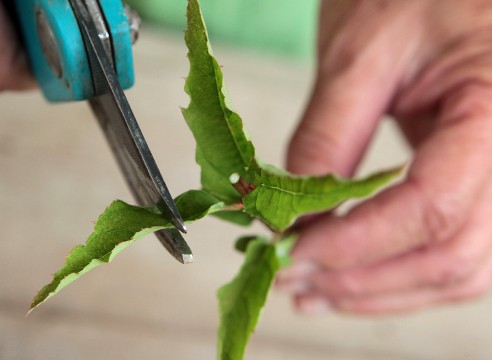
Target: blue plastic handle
x=70, y=79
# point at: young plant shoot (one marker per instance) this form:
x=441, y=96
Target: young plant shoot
x=236, y=187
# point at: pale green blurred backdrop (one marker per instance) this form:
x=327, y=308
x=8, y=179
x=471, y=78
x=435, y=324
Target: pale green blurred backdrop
x=285, y=27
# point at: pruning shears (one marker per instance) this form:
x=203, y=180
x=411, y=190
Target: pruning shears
x=82, y=50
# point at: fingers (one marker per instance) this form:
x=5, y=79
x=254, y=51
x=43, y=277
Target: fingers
x=14, y=69
x=434, y=227
x=475, y=286
x=333, y=133
x=354, y=86
x=424, y=241
x=393, y=289
x=443, y=184
x=399, y=302
x=433, y=267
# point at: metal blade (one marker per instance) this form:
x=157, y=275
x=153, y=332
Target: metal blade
x=126, y=139
x=104, y=109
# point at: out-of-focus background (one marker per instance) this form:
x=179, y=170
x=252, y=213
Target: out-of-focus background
x=57, y=174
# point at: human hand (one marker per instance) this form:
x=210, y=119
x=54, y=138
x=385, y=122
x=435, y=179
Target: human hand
x=427, y=240
x=14, y=69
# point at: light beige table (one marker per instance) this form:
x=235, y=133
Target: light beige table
x=57, y=175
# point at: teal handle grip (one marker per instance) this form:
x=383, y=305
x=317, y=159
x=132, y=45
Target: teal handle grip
x=56, y=49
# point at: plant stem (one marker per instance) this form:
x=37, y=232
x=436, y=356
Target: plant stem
x=242, y=186
x=236, y=206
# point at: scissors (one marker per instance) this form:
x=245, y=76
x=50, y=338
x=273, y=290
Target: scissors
x=82, y=50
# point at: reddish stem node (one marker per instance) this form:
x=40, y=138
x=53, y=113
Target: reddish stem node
x=242, y=186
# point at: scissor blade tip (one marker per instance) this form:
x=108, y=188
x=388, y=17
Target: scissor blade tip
x=180, y=225
x=187, y=258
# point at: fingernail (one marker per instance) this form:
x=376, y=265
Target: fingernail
x=292, y=287
x=298, y=270
x=314, y=306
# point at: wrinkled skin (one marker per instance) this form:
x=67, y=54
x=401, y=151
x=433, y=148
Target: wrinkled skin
x=14, y=73
x=427, y=240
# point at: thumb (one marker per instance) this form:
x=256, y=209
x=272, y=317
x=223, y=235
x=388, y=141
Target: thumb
x=338, y=123
x=14, y=68
x=362, y=61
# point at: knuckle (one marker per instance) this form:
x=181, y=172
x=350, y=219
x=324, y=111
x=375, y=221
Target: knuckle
x=470, y=101
x=439, y=220
x=337, y=265
x=343, y=256
x=440, y=216
x=454, y=271
x=339, y=59
x=358, y=37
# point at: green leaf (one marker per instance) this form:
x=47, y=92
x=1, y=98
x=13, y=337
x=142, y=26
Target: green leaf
x=243, y=242
x=241, y=300
x=280, y=200
x=118, y=227
x=238, y=217
x=222, y=146
x=196, y=204
x=283, y=248
x=224, y=149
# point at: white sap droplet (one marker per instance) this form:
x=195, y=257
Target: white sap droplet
x=234, y=178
